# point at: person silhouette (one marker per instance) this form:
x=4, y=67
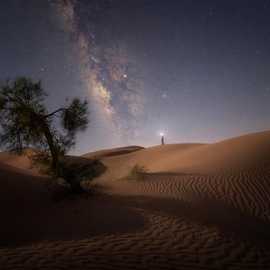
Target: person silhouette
x=162, y=140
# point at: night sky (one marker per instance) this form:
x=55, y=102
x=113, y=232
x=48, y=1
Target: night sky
x=197, y=70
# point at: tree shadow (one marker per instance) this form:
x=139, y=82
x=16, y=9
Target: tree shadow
x=29, y=215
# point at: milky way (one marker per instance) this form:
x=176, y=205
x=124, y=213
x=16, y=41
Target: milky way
x=105, y=70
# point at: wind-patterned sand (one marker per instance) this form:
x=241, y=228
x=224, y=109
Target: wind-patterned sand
x=198, y=207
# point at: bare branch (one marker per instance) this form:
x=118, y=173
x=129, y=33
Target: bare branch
x=54, y=112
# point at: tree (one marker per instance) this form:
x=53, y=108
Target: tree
x=26, y=122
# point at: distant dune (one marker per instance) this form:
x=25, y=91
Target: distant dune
x=199, y=206
x=113, y=152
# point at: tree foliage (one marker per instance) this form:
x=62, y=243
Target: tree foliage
x=26, y=122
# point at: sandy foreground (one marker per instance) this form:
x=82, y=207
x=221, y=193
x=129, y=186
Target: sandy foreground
x=197, y=207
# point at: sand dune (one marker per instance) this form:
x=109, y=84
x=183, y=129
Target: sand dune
x=150, y=158
x=234, y=171
x=198, y=207
x=242, y=153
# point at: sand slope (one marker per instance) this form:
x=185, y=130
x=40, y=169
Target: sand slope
x=234, y=171
x=29, y=213
x=198, y=207
x=242, y=153
x=22, y=161
x=119, y=166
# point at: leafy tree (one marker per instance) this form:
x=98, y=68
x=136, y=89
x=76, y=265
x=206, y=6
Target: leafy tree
x=26, y=122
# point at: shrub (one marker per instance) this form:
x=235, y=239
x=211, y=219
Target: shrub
x=78, y=170
x=137, y=173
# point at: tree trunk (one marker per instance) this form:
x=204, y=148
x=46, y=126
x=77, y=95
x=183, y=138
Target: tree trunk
x=53, y=149
x=19, y=146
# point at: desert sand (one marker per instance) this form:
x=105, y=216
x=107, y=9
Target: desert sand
x=197, y=206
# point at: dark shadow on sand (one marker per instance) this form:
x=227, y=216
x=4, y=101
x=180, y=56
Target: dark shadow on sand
x=229, y=220
x=30, y=215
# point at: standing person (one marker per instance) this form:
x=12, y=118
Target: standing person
x=162, y=135
x=162, y=139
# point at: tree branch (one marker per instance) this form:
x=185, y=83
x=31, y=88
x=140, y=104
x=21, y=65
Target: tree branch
x=54, y=112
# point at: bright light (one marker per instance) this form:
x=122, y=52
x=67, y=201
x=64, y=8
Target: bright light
x=161, y=134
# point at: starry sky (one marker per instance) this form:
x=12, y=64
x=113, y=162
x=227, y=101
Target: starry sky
x=199, y=71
